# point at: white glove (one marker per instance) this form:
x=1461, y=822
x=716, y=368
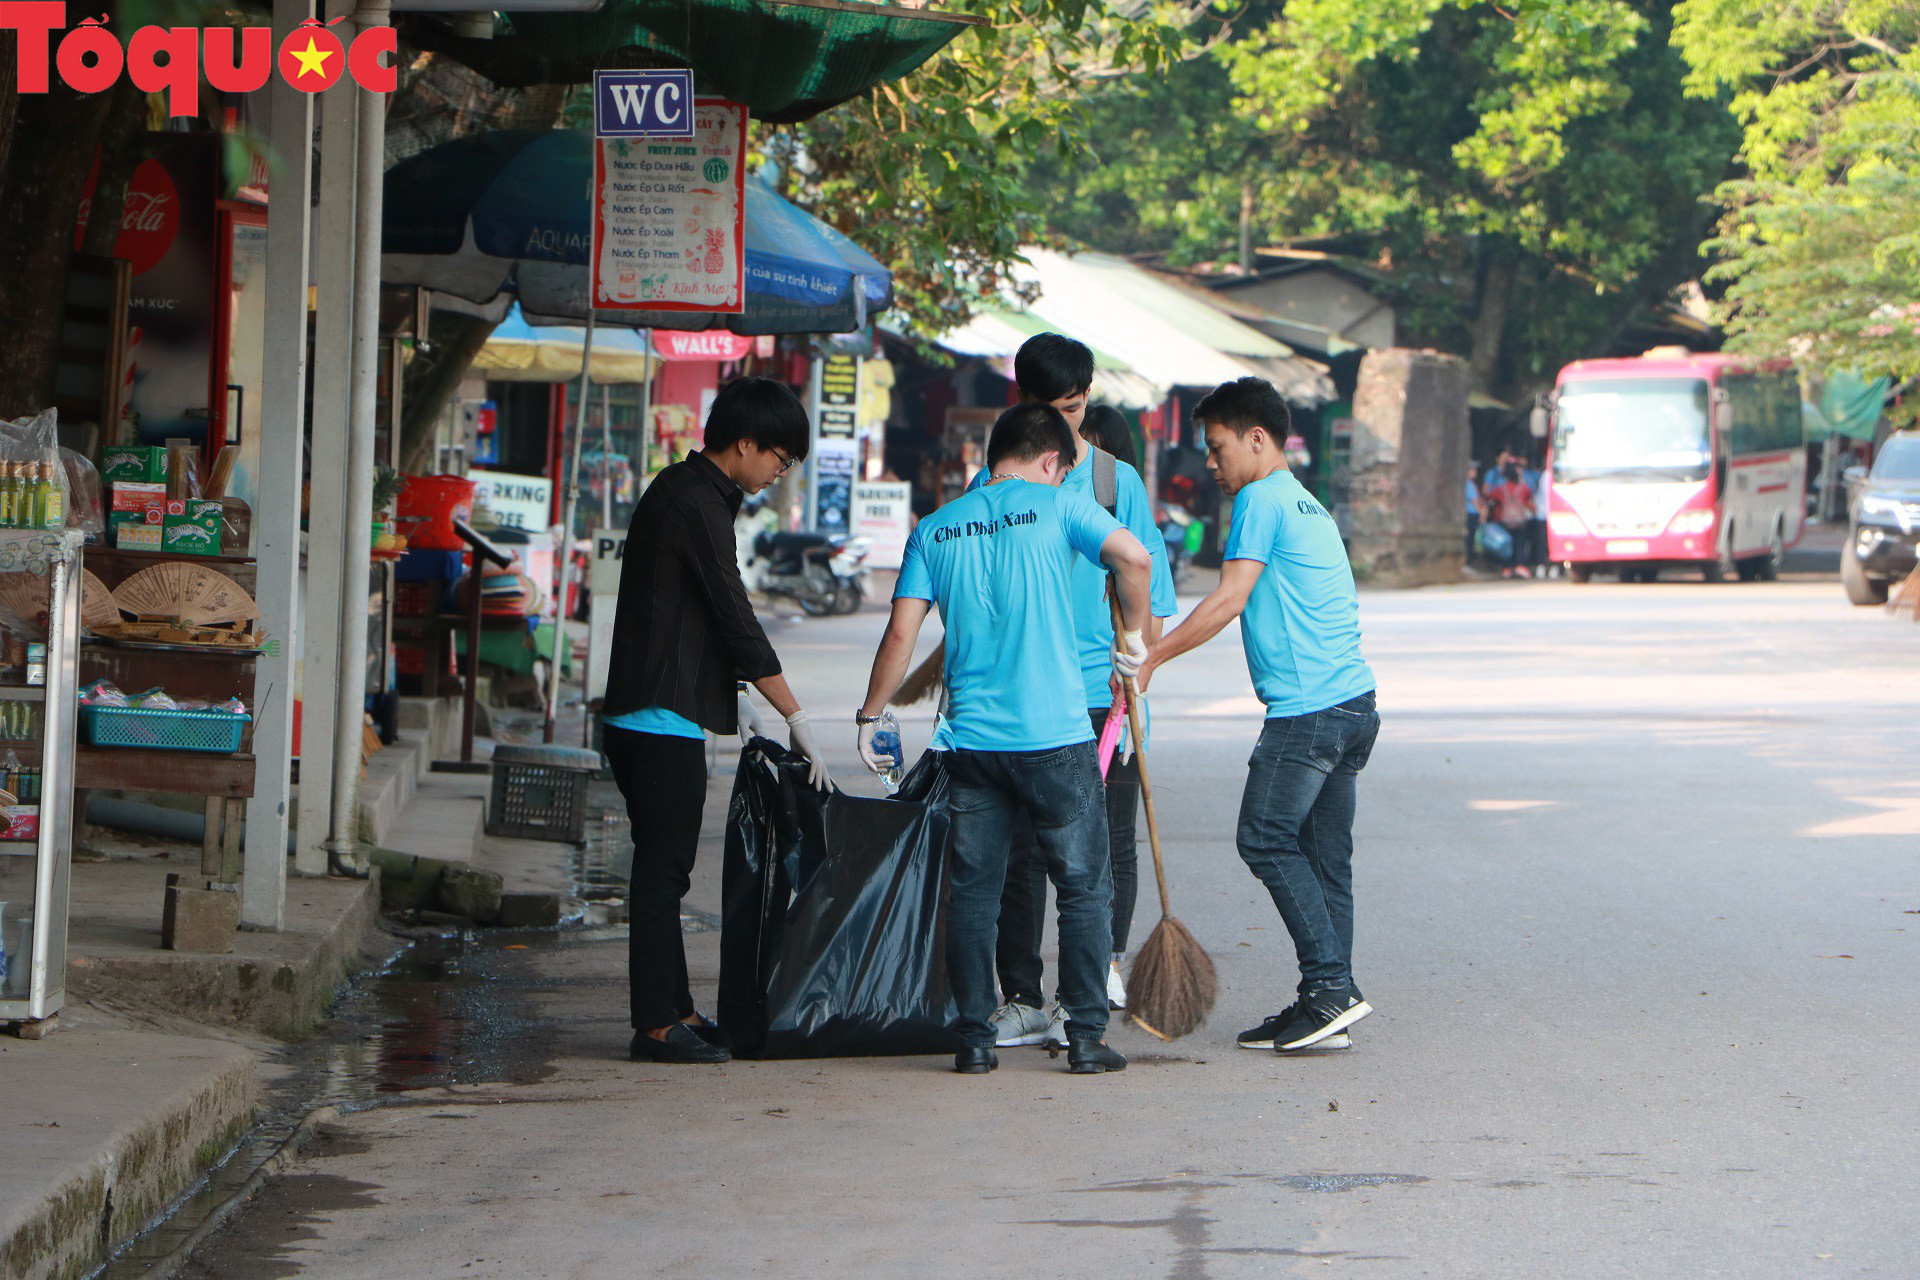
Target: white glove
x=1129, y=651
x=863, y=741
x=803, y=744
x=751, y=725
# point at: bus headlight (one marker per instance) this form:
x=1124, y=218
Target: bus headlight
x=1692, y=521
x=1566, y=524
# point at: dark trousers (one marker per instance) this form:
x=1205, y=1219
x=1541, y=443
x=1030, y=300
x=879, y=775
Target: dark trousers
x=1023, y=903
x=1059, y=793
x=664, y=782
x=1296, y=829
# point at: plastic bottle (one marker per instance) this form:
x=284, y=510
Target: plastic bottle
x=886, y=742
x=53, y=506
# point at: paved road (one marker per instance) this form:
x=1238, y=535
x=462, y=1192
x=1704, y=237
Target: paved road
x=1638, y=914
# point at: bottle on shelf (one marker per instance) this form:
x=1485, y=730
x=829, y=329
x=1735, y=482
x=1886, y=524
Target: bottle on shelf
x=53, y=500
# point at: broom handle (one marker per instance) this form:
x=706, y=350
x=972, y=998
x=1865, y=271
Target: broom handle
x=1140, y=755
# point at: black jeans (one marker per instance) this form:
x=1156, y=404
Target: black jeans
x=1058, y=791
x=1023, y=903
x=1296, y=829
x=664, y=782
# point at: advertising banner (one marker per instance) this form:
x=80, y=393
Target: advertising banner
x=833, y=461
x=669, y=230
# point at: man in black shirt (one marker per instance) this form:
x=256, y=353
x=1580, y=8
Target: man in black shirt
x=684, y=634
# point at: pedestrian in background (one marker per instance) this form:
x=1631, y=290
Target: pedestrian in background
x=684, y=634
x=1476, y=509
x=1285, y=575
x=1510, y=503
x=997, y=560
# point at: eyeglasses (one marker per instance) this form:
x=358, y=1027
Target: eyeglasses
x=786, y=463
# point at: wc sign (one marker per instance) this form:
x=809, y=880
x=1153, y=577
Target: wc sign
x=643, y=104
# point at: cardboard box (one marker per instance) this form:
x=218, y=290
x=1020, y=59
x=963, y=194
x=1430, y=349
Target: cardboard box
x=205, y=507
x=191, y=535
x=137, y=537
x=140, y=463
x=23, y=823
x=131, y=495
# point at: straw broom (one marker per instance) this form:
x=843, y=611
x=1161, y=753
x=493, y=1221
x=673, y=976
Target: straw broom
x=1172, y=985
x=923, y=680
x=1906, y=599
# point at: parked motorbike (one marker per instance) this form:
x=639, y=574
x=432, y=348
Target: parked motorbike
x=1181, y=532
x=822, y=573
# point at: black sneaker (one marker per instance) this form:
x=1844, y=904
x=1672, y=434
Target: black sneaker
x=1261, y=1037
x=1319, y=1015
x=1091, y=1057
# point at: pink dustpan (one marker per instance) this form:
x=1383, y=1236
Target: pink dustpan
x=1110, y=734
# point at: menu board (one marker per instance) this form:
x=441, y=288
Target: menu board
x=669, y=229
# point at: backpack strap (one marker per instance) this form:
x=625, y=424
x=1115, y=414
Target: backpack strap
x=1106, y=485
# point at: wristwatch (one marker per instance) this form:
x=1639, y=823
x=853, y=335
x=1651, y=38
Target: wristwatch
x=861, y=719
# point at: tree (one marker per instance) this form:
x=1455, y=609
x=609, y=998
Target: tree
x=1530, y=174
x=1820, y=244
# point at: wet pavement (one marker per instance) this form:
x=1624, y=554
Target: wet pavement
x=1620, y=847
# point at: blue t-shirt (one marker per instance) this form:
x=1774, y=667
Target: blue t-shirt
x=658, y=720
x=1301, y=627
x=1087, y=583
x=997, y=561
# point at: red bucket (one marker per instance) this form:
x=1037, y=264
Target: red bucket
x=437, y=501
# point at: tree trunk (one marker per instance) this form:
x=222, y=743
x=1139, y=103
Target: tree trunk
x=1246, y=228
x=457, y=340
x=9, y=91
x=1488, y=330
x=126, y=118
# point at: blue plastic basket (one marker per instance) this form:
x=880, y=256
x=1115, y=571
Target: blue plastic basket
x=162, y=730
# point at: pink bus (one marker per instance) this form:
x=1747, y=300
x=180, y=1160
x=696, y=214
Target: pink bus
x=1676, y=460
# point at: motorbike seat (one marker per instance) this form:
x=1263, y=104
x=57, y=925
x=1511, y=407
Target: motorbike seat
x=788, y=542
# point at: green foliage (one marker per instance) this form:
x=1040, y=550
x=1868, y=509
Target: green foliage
x=1530, y=174
x=930, y=174
x=1820, y=247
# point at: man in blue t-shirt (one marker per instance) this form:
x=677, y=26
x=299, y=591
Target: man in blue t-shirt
x=1285, y=574
x=998, y=561
x=1054, y=369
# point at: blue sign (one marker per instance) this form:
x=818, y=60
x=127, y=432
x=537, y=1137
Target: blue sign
x=643, y=104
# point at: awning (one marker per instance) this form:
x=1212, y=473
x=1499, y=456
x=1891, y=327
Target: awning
x=1850, y=405
x=520, y=352
x=1162, y=335
x=994, y=334
x=786, y=60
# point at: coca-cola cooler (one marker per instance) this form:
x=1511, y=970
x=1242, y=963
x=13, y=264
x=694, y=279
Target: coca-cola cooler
x=196, y=242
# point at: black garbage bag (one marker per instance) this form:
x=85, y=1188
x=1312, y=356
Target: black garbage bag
x=833, y=931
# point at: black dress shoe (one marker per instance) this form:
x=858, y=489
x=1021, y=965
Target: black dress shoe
x=681, y=1045
x=1091, y=1057
x=975, y=1060
x=707, y=1029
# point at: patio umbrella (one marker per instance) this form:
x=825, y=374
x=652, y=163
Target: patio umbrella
x=509, y=212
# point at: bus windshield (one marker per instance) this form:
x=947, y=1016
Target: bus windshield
x=1632, y=429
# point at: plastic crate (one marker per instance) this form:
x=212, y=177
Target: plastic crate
x=540, y=793
x=160, y=730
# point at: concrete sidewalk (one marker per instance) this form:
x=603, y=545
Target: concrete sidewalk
x=151, y=1076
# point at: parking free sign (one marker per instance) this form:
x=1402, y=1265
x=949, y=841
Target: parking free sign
x=643, y=104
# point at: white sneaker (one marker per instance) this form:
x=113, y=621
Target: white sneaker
x=1116, y=989
x=1056, y=1036
x=1338, y=1040
x=1018, y=1024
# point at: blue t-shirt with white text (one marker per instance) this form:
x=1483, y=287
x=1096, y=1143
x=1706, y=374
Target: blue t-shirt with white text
x=1087, y=583
x=998, y=562
x=1301, y=626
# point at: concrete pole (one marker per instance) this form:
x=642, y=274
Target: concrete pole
x=357, y=511
x=276, y=519
x=333, y=235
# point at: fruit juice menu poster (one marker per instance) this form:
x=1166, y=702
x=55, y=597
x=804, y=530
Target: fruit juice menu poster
x=669, y=232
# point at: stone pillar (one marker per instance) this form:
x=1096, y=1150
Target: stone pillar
x=1411, y=441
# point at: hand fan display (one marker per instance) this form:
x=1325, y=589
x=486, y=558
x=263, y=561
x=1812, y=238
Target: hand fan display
x=24, y=597
x=190, y=593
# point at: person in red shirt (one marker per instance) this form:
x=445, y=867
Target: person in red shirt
x=1511, y=504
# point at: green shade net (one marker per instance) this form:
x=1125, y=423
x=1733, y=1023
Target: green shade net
x=785, y=62
x=1850, y=406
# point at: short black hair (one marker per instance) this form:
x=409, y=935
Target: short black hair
x=1106, y=427
x=1242, y=405
x=1028, y=431
x=761, y=410
x=1052, y=366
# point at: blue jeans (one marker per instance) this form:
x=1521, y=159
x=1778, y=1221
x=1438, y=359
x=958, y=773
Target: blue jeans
x=1296, y=829
x=1060, y=793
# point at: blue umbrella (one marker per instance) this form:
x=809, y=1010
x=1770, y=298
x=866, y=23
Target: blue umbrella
x=508, y=212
